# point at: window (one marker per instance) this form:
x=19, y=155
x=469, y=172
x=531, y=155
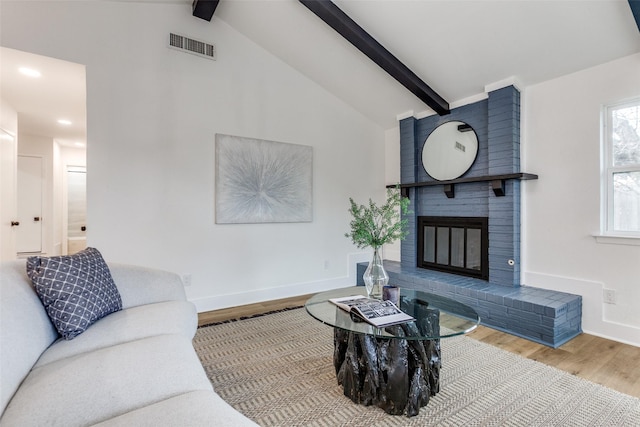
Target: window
x=621, y=169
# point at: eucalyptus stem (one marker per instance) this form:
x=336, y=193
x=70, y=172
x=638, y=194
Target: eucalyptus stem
x=374, y=226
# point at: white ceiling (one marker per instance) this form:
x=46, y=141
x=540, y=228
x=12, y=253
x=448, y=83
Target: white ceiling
x=59, y=93
x=458, y=47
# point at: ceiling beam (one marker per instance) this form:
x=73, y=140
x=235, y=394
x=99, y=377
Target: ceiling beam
x=356, y=35
x=204, y=8
x=635, y=9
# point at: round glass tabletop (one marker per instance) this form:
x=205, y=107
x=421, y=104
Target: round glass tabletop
x=435, y=316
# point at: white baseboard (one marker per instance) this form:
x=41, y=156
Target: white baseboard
x=218, y=302
x=254, y=296
x=593, y=321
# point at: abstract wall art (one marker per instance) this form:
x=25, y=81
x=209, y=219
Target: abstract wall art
x=259, y=181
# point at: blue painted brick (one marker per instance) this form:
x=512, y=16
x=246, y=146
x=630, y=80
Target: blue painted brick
x=538, y=309
x=494, y=310
x=527, y=306
x=550, y=311
x=525, y=316
x=496, y=121
x=497, y=299
x=550, y=322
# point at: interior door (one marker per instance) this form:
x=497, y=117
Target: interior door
x=8, y=210
x=30, y=182
x=76, y=209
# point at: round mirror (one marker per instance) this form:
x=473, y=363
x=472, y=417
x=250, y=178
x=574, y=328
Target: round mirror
x=449, y=150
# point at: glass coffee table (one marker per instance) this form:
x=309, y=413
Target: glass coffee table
x=396, y=368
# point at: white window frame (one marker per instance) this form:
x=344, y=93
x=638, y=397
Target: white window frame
x=607, y=232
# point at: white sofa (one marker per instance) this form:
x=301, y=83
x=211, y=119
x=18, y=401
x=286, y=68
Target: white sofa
x=134, y=367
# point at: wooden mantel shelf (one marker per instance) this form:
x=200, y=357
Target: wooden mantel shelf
x=497, y=183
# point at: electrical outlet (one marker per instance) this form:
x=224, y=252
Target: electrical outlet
x=186, y=280
x=326, y=264
x=609, y=296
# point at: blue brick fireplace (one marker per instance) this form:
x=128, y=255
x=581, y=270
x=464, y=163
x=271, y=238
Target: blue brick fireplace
x=548, y=317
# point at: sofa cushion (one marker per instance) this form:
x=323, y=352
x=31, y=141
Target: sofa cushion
x=25, y=328
x=195, y=409
x=96, y=386
x=171, y=317
x=142, y=285
x=76, y=290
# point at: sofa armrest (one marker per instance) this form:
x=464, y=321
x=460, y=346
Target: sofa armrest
x=141, y=285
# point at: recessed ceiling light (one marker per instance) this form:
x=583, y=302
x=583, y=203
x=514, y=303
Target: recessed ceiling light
x=79, y=144
x=30, y=72
x=64, y=122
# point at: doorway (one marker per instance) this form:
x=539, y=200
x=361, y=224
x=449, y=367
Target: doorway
x=48, y=106
x=76, y=209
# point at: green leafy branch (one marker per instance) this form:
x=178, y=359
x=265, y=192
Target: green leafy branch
x=374, y=226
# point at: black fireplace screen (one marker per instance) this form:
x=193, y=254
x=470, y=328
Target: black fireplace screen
x=457, y=245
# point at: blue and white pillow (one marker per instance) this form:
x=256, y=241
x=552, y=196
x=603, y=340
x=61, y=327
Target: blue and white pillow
x=76, y=290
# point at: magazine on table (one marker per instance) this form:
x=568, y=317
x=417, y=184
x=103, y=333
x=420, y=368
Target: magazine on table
x=376, y=312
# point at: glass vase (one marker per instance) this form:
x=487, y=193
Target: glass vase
x=375, y=277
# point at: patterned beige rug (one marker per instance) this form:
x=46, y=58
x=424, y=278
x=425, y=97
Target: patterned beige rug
x=277, y=370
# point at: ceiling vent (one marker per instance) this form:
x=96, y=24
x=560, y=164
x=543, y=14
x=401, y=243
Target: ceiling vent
x=196, y=47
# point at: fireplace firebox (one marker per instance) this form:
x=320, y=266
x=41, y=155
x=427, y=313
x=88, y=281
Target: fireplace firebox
x=458, y=245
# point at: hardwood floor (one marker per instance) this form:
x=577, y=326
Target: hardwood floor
x=610, y=363
x=250, y=309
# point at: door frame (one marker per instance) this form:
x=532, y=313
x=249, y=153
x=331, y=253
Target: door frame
x=65, y=203
x=9, y=209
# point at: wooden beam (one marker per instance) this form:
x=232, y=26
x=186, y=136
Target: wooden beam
x=204, y=8
x=356, y=35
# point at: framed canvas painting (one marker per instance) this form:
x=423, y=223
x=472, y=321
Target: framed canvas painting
x=259, y=181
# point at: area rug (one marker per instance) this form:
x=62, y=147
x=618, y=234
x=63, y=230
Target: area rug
x=277, y=370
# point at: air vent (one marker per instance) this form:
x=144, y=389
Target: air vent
x=196, y=47
x=460, y=147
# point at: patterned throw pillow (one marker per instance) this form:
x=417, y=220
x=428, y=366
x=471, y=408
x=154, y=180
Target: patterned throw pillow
x=76, y=290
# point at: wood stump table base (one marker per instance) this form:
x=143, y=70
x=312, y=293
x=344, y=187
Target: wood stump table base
x=395, y=374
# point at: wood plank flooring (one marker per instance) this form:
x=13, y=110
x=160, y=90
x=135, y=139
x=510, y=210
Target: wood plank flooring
x=250, y=309
x=610, y=363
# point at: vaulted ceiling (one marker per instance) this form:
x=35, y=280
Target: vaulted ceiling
x=457, y=47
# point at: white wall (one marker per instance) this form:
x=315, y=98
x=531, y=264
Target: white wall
x=153, y=114
x=8, y=177
x=392, y=177
x=8, y=118
x=561, y=143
